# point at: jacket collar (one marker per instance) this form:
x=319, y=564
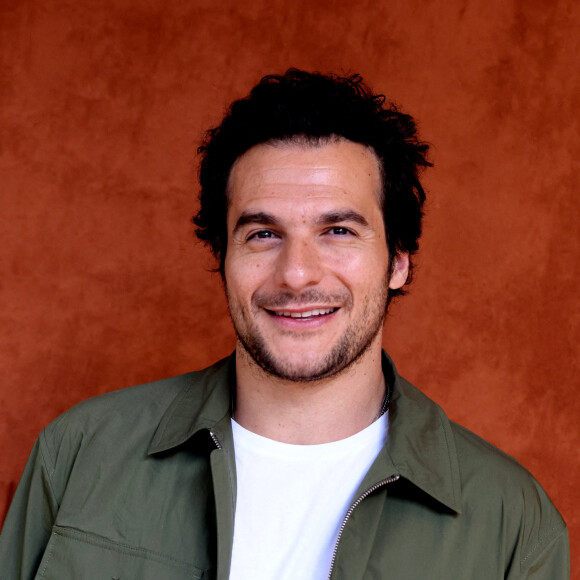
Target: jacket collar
x=420, y=445
x=204, y=403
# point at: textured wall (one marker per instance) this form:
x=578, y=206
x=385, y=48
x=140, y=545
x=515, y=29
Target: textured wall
x=102, y=105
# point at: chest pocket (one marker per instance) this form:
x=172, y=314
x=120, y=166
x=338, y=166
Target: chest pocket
x=75, y=555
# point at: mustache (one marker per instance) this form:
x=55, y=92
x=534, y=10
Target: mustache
x=309, y=296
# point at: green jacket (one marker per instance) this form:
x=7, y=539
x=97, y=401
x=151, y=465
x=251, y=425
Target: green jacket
x=141, y=484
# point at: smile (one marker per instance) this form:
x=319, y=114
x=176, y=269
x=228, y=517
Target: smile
x=306, y=314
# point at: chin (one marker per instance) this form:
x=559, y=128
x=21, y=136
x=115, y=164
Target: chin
x=300, y=367
x=303, y=373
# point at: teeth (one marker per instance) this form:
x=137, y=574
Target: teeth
x=308, y=314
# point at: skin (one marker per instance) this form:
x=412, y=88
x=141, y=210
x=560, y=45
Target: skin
x=307, y=277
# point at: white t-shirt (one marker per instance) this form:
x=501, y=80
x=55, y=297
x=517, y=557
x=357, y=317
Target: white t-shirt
x=292, y=499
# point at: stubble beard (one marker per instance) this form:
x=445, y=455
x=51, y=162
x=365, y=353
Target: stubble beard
x=355, y=341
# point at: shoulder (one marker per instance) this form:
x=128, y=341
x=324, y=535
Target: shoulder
x=123, y=419
x=140, y=403
x=480, y=466
x=493, y=482
x=483, y=464
x=490, y=491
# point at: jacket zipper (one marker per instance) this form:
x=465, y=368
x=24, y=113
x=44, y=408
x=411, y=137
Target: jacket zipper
x=356, y=503
x=215, y=440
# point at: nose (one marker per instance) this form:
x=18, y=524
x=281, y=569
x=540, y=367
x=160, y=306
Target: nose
x=298, y=265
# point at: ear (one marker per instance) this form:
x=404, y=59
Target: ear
x=400, y=271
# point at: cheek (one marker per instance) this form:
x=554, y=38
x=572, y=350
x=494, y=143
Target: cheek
x=358, y=266
x=244, y=276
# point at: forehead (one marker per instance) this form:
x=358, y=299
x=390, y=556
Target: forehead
x=301, y=174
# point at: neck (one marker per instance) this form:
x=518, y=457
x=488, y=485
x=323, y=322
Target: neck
x=308, y=413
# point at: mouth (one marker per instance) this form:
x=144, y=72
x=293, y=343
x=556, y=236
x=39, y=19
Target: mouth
x=303, y=315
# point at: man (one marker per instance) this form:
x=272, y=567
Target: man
x=304, y=455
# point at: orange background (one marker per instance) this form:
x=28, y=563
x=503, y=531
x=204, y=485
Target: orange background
x=102, y=106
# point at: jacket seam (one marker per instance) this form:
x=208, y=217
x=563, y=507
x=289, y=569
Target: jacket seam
x=545, y=540
x=126, y=549
x=48, y=559
x=49, y=471
x=453, y=462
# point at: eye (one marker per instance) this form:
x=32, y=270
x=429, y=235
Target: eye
x=262, y=235
x=340, y=231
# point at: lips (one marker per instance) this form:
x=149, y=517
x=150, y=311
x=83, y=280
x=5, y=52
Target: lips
x=307, y=314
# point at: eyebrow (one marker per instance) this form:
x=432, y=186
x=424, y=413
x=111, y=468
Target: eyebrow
x=326, y=219
x=347, y=215
x=255, y=217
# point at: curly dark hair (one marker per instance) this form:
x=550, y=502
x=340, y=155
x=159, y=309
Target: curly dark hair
x=312, y=107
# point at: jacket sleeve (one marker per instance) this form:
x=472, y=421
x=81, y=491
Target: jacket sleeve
x=29, y=521
x=552, y=562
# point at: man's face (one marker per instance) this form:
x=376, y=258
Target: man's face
x=307, y=265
